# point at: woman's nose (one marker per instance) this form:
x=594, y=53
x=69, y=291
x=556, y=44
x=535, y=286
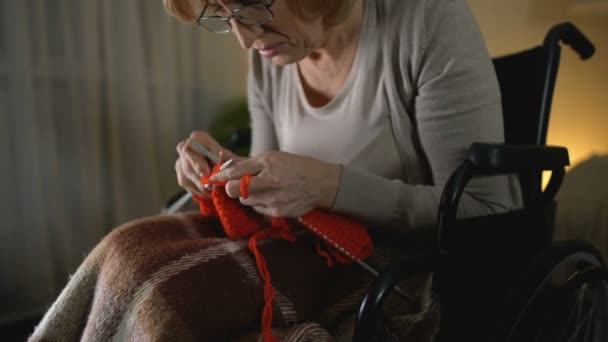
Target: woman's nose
x=245, y=34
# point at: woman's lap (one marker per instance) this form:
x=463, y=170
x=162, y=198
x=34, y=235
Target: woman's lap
x=179, y=277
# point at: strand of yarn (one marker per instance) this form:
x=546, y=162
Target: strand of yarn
x=280, y=228
x=240, y=222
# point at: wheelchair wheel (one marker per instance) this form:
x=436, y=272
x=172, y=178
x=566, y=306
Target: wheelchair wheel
x=562, y=297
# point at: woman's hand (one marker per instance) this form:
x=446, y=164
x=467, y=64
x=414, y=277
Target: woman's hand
x=283, y=184
x=192, y=164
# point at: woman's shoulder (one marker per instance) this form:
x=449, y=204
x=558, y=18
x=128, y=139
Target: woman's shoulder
x=410, y=20
x=402, y=12
x=411, y=9
x=408, y=28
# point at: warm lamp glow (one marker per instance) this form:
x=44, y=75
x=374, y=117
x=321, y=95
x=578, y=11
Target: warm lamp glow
x=579, y=116
x=580, y=148
x=589, y=8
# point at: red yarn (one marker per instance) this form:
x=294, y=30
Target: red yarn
x=323, y=253
x=245, y=186
x=346, y=240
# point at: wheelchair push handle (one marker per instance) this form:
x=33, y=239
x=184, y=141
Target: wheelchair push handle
x=569, y=34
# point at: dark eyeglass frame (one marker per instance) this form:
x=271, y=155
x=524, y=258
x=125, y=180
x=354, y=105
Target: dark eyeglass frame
x=233, y=14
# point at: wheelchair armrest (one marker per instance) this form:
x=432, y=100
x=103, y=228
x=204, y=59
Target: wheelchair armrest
x=494, y=159
x=369, y=314
x=502, y=159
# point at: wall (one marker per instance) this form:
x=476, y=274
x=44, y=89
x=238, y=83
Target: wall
x=94, y=97
x=579, y=119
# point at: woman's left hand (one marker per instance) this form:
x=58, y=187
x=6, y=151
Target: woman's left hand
x=283, y=184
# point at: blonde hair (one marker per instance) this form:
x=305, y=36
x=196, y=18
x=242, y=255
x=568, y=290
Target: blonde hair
x=333, y=12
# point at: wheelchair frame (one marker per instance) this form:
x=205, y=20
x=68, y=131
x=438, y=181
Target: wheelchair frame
x=486, y=160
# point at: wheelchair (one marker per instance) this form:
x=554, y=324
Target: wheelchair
x=500, y=277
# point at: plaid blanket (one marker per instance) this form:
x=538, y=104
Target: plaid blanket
x=178, y=278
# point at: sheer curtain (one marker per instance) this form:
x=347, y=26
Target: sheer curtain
x=94, y=96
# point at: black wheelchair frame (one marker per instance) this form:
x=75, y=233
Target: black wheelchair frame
x=495, y=275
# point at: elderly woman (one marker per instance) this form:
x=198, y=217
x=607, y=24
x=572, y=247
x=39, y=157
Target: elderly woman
x=360, y=108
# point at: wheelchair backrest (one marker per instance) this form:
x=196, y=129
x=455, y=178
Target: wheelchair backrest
x=523, y=78
x=527, y=81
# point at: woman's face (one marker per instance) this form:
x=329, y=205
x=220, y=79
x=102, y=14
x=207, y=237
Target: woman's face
x=284, y=40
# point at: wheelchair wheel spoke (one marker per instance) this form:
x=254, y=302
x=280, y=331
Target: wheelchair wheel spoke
x=590, y=319
x=568, y=303
x=565, y=326
x=580, y=296
x=586, y=319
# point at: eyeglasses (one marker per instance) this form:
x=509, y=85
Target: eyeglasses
x=252, y=14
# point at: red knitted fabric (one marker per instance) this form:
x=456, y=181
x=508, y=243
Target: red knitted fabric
x=346, y=239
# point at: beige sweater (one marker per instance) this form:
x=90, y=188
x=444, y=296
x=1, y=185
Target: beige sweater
x=422, y=88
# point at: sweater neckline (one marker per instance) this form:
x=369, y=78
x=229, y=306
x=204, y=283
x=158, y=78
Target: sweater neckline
x=352, y=74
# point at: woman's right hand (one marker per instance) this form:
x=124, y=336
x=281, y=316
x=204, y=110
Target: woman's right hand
x=191, y=164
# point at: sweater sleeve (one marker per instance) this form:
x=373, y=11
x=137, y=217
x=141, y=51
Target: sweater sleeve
x=456, y=101
x=263, y=134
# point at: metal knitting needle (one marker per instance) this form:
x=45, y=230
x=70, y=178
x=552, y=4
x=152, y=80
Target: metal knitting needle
x=376, y=274
x=177, y=205
x=214, y=158
x=342, y=250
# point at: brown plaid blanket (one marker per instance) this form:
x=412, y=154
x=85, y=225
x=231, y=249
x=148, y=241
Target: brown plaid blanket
x=178, y=278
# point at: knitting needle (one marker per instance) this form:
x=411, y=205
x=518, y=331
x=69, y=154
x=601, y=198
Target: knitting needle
x=214, y=158
x=177, y=205
x=342, y=250
x=376, y=274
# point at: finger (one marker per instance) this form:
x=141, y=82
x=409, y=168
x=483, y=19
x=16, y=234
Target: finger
x=249, y=166
x=185, y=182
x=192, y=175
x=199, y=163
x=272, y=212
x=179, y=147
x=233, y=188
x=253, y=201
x=266, y=199
x=257, y=185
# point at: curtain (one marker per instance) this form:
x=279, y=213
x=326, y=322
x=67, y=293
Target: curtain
x=94, y=96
